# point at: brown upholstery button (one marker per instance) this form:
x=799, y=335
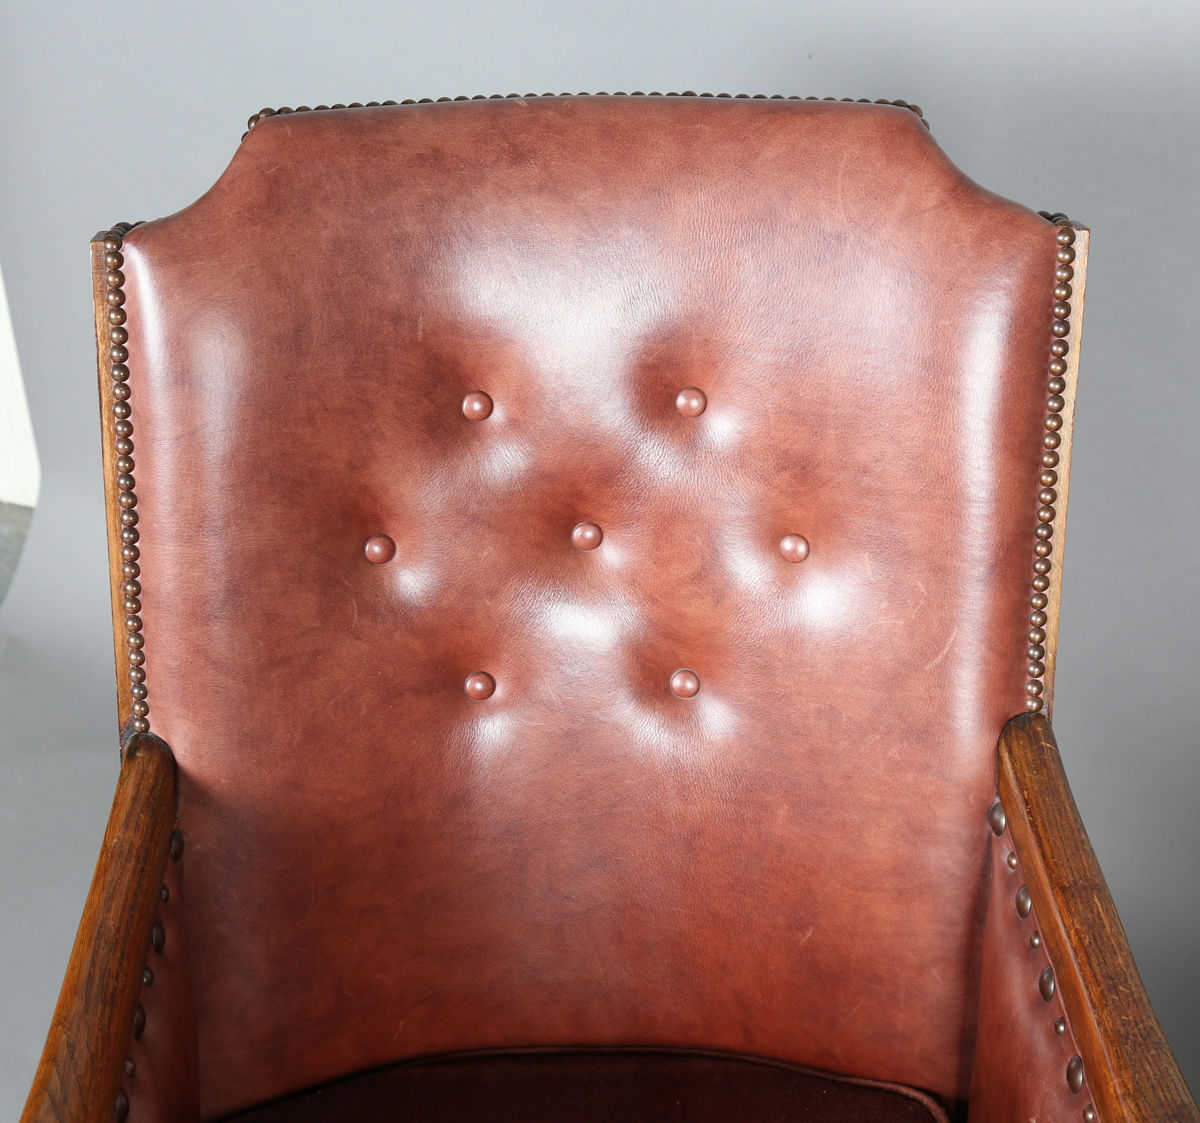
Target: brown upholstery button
x=793, y=547
x=1075, y=1074
x=685, y=683
x=587, y=536
x=691, y=402
x=480, y=685
x=379, y=549
x=997, y=820
x=476, y=406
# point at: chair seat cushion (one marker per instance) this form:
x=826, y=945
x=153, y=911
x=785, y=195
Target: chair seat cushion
x=600, y=1086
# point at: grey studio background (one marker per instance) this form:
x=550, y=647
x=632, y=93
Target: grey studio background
x=129, y=110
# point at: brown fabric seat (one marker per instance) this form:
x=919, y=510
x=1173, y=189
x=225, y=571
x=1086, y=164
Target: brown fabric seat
x=641, y=1086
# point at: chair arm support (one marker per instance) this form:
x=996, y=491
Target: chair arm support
x=1131, y=1071
x=80, y=1071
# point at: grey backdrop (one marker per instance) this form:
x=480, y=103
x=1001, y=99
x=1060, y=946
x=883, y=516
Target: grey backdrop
x=128, y=110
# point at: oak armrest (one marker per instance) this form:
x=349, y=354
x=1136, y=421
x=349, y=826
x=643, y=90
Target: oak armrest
x=79, y=1075
x=1047, y=880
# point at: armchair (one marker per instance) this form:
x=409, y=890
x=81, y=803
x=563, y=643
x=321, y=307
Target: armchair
x=581, y=558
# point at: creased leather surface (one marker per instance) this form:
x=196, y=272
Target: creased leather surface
x=599, y=1088
x=1020, y=1071
x=790, y=864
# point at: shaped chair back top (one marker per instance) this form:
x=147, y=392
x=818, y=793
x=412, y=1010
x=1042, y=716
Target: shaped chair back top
x=585, y=553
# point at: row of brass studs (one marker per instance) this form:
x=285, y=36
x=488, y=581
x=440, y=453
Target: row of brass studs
x=600, y=93
x=1043, y=548
x=158, y=941
x=118, y=355
x=1046, y=982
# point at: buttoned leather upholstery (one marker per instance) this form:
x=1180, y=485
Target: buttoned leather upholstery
x=793, y=863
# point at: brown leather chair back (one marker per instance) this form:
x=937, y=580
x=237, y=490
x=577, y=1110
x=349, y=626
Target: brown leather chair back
x=791, y=363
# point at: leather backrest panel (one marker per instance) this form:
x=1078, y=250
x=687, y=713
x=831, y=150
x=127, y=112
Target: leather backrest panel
x=793, y=862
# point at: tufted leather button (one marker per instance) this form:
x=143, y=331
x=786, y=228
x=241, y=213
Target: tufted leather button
x=793, y=547
x=379, y=549
x=480, y=685
x=587, y=536
x=691, y=402
x=685, y=683
x=476, y=406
